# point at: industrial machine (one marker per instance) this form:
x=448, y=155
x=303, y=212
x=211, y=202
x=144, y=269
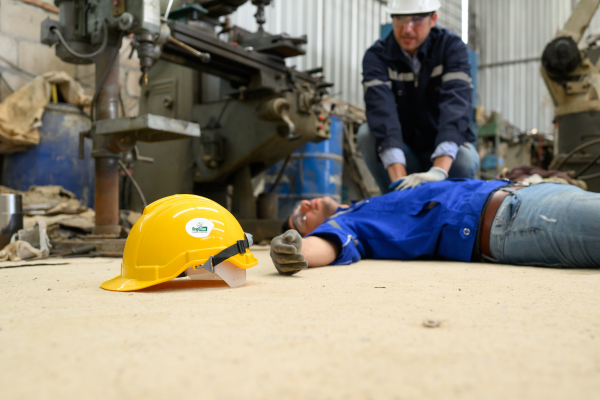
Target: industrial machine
x=198, y=74
x=572, y=74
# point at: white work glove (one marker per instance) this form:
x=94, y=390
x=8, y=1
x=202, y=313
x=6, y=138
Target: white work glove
x=286, y=253
x=435, y=174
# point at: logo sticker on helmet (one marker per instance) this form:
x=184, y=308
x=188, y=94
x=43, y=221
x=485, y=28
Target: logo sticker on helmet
x=199, y=227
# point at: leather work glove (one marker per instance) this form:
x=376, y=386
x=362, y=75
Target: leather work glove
x=435, y=174
x=286, y=253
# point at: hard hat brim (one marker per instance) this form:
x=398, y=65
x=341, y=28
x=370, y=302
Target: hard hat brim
x=121, y=284
x=410, y=12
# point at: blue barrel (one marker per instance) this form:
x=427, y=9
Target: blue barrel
x=314, y=170
x=55, y=160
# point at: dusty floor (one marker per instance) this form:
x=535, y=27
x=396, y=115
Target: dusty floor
x=352, y=332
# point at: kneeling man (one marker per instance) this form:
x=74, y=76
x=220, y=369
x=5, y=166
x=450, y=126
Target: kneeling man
x=549, y=224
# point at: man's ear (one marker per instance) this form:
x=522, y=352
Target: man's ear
x=434, y=19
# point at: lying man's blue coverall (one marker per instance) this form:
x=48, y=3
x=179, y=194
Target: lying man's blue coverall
x=549, y=224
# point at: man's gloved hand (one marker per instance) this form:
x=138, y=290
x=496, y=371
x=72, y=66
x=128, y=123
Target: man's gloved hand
x=394, y=185
x=286, y=253
x=435, y=174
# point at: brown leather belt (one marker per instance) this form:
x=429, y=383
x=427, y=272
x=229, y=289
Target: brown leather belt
x=488, y=218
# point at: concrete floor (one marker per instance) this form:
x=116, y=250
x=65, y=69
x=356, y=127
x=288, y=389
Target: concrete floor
x=327, y=333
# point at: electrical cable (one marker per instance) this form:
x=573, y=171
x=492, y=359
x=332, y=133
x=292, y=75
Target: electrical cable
x=79, y=55
x=133, y=181
x=216, y=123
x=281, y=171
x=122, y=103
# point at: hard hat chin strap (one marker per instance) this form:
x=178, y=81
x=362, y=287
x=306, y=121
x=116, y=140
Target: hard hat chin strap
x=239, y=247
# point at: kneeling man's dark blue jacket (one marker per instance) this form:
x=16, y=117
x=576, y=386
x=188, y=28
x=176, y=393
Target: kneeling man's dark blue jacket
x=423, y=108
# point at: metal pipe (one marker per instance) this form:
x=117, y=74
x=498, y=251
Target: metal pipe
x=11, y=216
x=108, y=97
x=107, y=167
x=509, y=62
x=107, y=196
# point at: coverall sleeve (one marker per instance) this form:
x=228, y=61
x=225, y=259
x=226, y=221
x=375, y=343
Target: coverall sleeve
x=382, y=115
x=455, y=94
x=343, y=238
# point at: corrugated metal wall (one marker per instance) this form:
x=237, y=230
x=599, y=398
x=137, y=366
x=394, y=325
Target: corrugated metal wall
x=339, y=32
x=450, y=15
x=512, y=35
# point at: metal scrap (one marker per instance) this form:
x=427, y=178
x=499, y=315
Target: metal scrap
x=432, y=323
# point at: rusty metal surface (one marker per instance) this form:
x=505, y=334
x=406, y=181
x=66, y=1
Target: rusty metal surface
x=107, y=197
x=148, y=128
x=108, y=98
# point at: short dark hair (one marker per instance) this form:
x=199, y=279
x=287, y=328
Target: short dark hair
x=286, y=225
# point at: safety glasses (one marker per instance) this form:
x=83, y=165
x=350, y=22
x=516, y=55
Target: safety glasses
x=415, y=20
x=299, y=218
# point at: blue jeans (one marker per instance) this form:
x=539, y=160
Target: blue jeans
x=465, y=165
x=549, y=224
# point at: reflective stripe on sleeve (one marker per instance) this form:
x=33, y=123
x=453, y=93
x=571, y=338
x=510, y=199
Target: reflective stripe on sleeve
x=403, y=76
x=376, y=82
x=437, y=71
x=456, y=76
x=334, y=224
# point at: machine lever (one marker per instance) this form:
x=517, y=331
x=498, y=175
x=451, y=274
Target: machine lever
x=137, y=157
x=205, y=57
x=291, y=127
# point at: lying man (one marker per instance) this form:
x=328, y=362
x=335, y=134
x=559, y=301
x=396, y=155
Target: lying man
x=549, y=224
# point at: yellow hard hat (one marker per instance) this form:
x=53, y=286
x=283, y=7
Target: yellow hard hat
x=184, y=233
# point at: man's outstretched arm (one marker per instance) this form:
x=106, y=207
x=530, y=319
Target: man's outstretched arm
x=291, y=253
x=318, y=252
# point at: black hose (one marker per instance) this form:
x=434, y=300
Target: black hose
x=572, y=153
x=281, y=171
x=590, y=177
x=588, y=166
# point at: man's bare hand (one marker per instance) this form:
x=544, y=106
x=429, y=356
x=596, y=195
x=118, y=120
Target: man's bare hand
x=286, y=253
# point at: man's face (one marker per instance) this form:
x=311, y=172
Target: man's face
x=309, y=214
x=411, y=31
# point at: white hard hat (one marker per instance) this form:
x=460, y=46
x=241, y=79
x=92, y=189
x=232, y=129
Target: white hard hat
x=408, y=7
